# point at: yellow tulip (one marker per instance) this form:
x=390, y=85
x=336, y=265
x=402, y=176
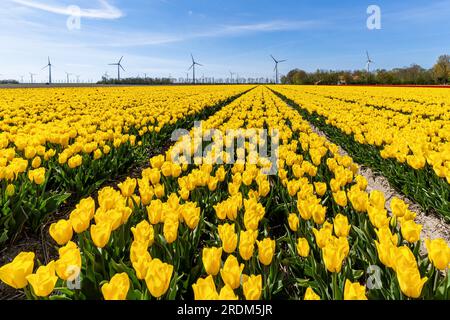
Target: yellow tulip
x=44, y=280
x=61, y=232
x=100, y=233
x=398, y=207
x=75, y=161
x=212, y=258
x=15, y=273
x=323, y=235
x=228, y=237
x=68, y=266
x=227, y=294
x=127, y=187
x=341, y=226
x=170, y=229
x=140, y=264
x=154, y=211
x=158, y=277
x=80, y=220
x=354, y=291
x=252, y=287
x=311, y=295
x=293, y=222
x=320, y=187
x=410, y=281
x=266, y=250
x=411, y=231
x=247, y=244
x=205, y=289
x=340, y=198
x=438, y=253
x=303, y=247
x=231, y=272
x=117, y=288
x=143, y=232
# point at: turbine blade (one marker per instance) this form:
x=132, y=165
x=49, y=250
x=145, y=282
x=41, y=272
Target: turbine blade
x=199, y=64
x=274, y=59
x=121, y=67
x=120, y=59
x=192, y=65
x=282, y=61
x=44, y=67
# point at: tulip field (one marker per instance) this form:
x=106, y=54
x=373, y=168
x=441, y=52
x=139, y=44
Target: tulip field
x=283, y=215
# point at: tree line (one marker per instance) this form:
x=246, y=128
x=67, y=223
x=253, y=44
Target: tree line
x=415, y=75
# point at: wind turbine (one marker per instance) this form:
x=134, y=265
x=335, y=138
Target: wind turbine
x=194, y=63
x=78, y=78
x=49, y=66
x=276, y=67
x=231, y=74
x=31, y=76
x=68, y=75
x=118, y=67
x=369, y=61
x=21, y=79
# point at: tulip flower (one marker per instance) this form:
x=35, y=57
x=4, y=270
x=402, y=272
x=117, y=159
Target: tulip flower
x=303, y=247
x=247, y=244
x=410, y=281
x=311, y=295
x=354, y=291
x=266, y=250
x=61, y=232
x=127, y=187
x=231, y=272
x=143, y=232
x=205, y=289
x=228, y=237
x=341, y=226
x=44, y=280
x=411, y=231
x=117, y=288
x=293, y=222
x=438, y=253
x=100, y=233
x=252, y=287
x=212, y=258
x=15, y=273
x=158, y=277
x=68, y=266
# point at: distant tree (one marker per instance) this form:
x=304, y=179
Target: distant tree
x=441, y=69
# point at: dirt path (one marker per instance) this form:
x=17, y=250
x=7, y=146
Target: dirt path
x=434, y=226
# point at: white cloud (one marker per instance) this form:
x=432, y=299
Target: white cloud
x=106, y=11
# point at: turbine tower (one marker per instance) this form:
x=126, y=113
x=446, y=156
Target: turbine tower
x=78, y=78
x=194, y=63
x=118, y=64
x=369, y=62
x=31, y=76
x=68, y=75
x=231, y=74
x=276, y=67
x=49, y=66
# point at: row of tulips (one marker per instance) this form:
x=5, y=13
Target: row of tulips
x=66, y=142
x=218, y=230
x=407, y=140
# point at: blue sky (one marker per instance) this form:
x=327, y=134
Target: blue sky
x=157, y=36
